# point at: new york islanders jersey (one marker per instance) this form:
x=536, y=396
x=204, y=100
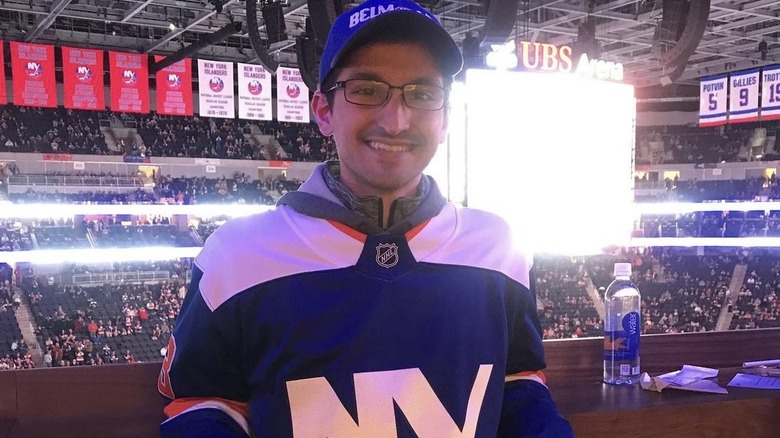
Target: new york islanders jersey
x=297, y=324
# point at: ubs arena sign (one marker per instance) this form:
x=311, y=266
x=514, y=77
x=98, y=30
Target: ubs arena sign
x=551, y=58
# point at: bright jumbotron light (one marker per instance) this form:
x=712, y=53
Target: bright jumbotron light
x=448, y=166
x=38, y=211
x=97, y=255
x=552, y=154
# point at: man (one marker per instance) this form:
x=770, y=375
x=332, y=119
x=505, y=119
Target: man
x=364, y=305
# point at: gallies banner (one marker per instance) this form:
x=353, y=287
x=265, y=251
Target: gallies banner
x=174, y=88
x=82, y=76
x=129, y=82
x=32, y=69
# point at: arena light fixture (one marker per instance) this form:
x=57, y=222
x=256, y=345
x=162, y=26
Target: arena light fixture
x=98, y=255
x=40, y=211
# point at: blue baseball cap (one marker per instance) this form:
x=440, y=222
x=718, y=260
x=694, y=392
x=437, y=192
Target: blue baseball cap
x=374, y=18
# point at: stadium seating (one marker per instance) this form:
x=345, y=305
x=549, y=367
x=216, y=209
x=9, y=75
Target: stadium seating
x=98, y=133
x=757, y=304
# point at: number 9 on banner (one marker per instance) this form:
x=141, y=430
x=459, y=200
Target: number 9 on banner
x=744, y=96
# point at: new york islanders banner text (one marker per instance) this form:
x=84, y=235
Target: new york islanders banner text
x=174, y=88
x=82, y=76
x=32, y=70
x=292, y=96
x=743, y=96
x=254, y=92
x=215, y=89
x=129, y=82
x=712, y=100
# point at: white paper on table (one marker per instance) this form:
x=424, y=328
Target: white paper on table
x=753, y=381
x=689, y=378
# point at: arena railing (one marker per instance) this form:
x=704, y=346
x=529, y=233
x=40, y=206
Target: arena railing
x=75, y=181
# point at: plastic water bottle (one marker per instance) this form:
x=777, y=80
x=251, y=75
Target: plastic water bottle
x=622, y=325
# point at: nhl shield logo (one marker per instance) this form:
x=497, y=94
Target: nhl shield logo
x=387, y=255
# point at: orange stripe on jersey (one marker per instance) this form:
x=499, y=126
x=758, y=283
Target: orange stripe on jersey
x=351, y=232
x=538, y=374
x=180, y=405
x=360, y=237
x=416, y=230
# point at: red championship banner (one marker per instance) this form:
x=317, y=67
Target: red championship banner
x=32, y=68
x=3, y=96
x=129, y=82
x=174, y=88
x=82, y=75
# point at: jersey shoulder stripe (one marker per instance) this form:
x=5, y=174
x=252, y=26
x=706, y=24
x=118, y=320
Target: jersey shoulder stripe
x=251, y=250
x=471, y=237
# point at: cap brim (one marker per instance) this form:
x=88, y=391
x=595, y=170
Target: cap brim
x=415, y=26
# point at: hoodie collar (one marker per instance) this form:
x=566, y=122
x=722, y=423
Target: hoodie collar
x=325, y=196
x=370, y=206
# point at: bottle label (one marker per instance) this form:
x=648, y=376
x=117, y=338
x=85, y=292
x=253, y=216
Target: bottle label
x=623, y=345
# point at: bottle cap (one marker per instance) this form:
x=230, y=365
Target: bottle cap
x=622, y=269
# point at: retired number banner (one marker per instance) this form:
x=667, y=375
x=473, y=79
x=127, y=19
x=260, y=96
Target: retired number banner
x=254, y=92
x=292, y=96
x=174, y=88
x=32, y=67
x=770, y=93
x=712, y=100
x=82, y=76
x=129, y=82
x=743, y=103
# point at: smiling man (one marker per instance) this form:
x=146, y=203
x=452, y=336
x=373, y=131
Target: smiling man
x=365, y=305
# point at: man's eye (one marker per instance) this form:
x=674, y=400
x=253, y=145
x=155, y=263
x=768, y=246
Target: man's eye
x=364, y=91
x=422, y=93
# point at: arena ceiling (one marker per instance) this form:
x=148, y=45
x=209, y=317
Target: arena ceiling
x=624, y=28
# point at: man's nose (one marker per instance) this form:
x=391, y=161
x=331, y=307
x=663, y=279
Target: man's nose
x=394, y=116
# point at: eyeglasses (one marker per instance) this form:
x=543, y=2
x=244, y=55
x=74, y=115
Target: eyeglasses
x=367, y=92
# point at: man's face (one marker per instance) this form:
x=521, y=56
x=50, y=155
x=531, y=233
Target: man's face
x=384, y=149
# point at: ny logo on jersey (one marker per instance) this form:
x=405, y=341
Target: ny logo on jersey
x=387, y=255
x=317, y=411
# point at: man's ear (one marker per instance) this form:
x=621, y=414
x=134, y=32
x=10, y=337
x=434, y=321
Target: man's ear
x=321, y=110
